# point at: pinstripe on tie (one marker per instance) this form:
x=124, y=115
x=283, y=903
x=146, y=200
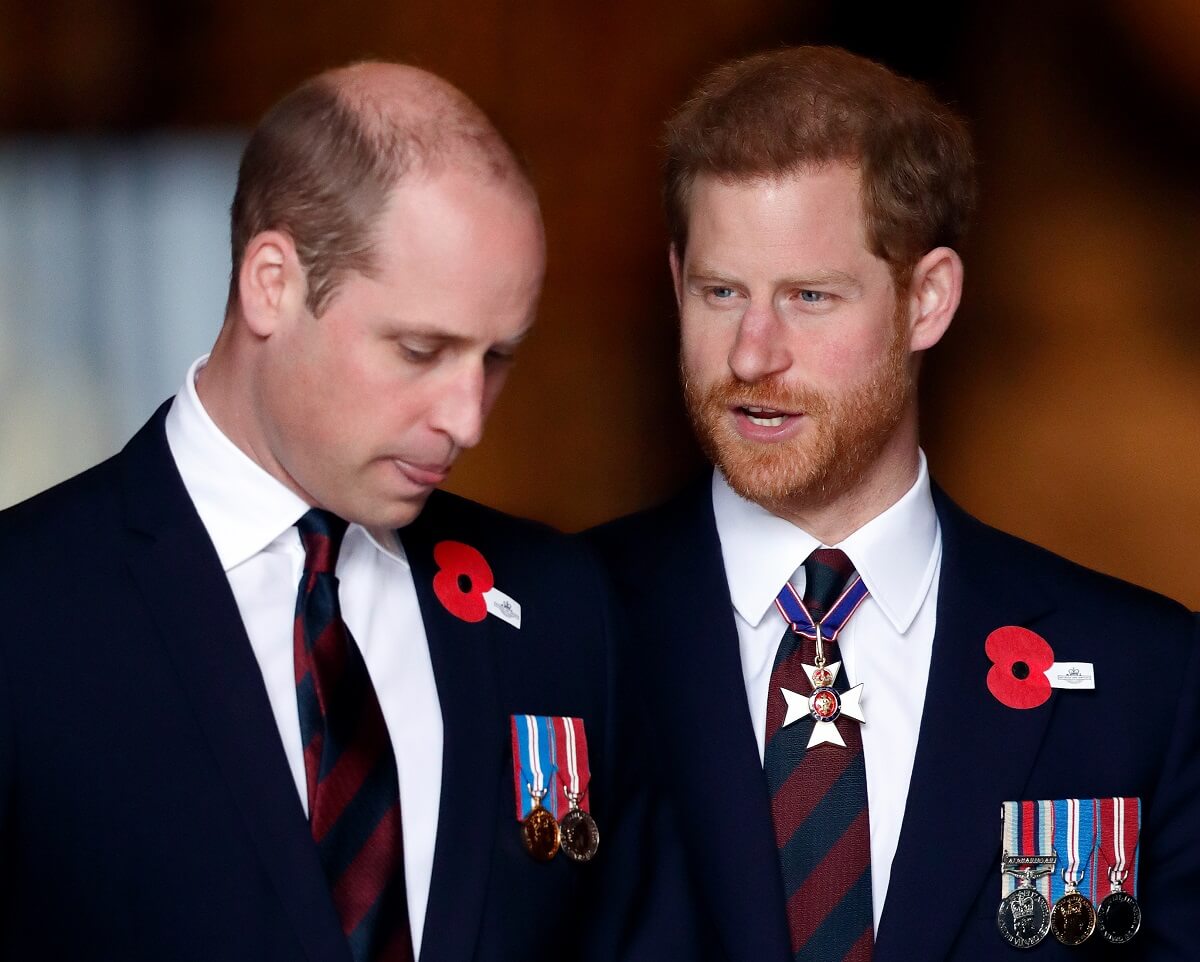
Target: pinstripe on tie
x=819, y=797
x=353, y=787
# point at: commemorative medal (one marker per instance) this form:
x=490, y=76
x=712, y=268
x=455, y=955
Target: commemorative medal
x=825, y=704
x=1073, y=918
x=1029, y=858
x=540, y=831
x=580, y=837
x=533, y=753
x=1118, y=917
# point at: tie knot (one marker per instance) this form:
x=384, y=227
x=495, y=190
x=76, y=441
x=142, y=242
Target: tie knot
x=322, y=534
x=827, y=571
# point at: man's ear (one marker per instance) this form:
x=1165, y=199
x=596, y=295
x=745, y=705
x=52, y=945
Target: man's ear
x=933, y=293
x=676, y=275
x=271, y=283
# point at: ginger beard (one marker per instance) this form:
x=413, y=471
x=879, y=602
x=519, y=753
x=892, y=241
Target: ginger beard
x=844, y=437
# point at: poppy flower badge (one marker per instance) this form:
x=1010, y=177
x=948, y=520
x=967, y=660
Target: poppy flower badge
x=466, y=587
x=1024, y=672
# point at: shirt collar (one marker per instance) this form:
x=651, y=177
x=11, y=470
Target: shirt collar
x=243, y=508
x=896, y=552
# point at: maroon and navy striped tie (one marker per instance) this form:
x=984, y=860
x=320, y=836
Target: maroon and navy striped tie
x=819, y=796
x=353, y=788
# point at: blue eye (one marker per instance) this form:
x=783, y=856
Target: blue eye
x=813, y=297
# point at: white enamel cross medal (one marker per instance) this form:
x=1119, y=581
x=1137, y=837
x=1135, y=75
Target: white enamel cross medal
x=825, y=705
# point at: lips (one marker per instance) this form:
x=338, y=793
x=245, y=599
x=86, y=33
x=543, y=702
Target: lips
x=423, y=475
x=764, y=417
x=766, y=425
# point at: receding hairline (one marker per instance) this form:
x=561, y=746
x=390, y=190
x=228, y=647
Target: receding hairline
x=438, y=124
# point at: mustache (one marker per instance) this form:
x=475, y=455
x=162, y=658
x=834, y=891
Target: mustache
x=730, y=393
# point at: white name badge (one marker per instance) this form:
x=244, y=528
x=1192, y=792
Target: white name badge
x=1071, y=674
x=503, y=607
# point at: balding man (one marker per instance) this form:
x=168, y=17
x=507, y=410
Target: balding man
x=265, y=694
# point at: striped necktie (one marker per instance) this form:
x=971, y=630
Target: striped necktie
x=353, y=788
x=819, y=796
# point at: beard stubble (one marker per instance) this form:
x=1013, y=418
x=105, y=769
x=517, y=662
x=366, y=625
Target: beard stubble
x=844, y=438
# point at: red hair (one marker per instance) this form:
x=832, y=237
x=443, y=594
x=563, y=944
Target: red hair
x=778, y=113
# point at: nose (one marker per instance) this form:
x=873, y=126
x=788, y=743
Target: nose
x=760, y=348
x=460, y=408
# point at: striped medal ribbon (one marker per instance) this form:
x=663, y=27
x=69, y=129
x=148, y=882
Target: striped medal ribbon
x=579, y=835
x=1119, y=916
x=825, y=705
x=533, y=752
x=1073, y=917
x=1027, y=862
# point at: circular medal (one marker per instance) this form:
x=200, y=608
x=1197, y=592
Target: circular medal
x=580, y=836
x=825, y=704
x=1119, y=917
x=1073, y=919
x=540, y=834
x=1024, y=917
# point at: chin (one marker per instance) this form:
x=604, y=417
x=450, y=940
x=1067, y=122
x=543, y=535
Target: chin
x=401, y=514
x=775, y=477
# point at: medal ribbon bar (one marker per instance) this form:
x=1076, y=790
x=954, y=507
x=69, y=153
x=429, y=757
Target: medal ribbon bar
x=792, y=608
x=534, y=751
x=1075, y=840
x=1028, y=831
x=1119, y=823
x=571, y=759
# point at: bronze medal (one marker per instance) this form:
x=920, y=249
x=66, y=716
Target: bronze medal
x=580, y=835
x=1119, y=917
x=540, y=833
x=1024, y=917
x=1074, y=919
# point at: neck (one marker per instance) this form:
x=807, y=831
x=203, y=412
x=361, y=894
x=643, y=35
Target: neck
x=222, y=386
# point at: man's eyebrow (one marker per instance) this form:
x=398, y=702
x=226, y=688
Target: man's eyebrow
x=818, y=278
x=704, y=272
x=444, y=338
x=823, y=278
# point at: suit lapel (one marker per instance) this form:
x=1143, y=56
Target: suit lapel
x=473, y=752
x=175, y=567
x=705, y=710
x=972, y=752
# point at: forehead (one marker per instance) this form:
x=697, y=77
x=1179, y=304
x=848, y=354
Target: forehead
x=454, y=214
x=458, y=252
x=813, y=211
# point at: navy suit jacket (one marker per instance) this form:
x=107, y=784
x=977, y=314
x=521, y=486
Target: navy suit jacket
x=147, y=811
x=1137, y=734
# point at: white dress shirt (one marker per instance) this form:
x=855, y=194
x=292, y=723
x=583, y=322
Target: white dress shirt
x=885, y=646
x=250, y=517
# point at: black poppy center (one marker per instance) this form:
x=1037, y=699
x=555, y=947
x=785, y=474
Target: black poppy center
x=464, y=584
x=1020, y=670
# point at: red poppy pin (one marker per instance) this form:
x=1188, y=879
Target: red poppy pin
x=462, y=578
x=1020, y=659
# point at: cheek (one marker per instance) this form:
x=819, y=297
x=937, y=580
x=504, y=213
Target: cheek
x=703, y=349
x=851, y=356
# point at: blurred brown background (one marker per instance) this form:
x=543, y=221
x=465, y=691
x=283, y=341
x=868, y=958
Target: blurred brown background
x=1065, y=405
